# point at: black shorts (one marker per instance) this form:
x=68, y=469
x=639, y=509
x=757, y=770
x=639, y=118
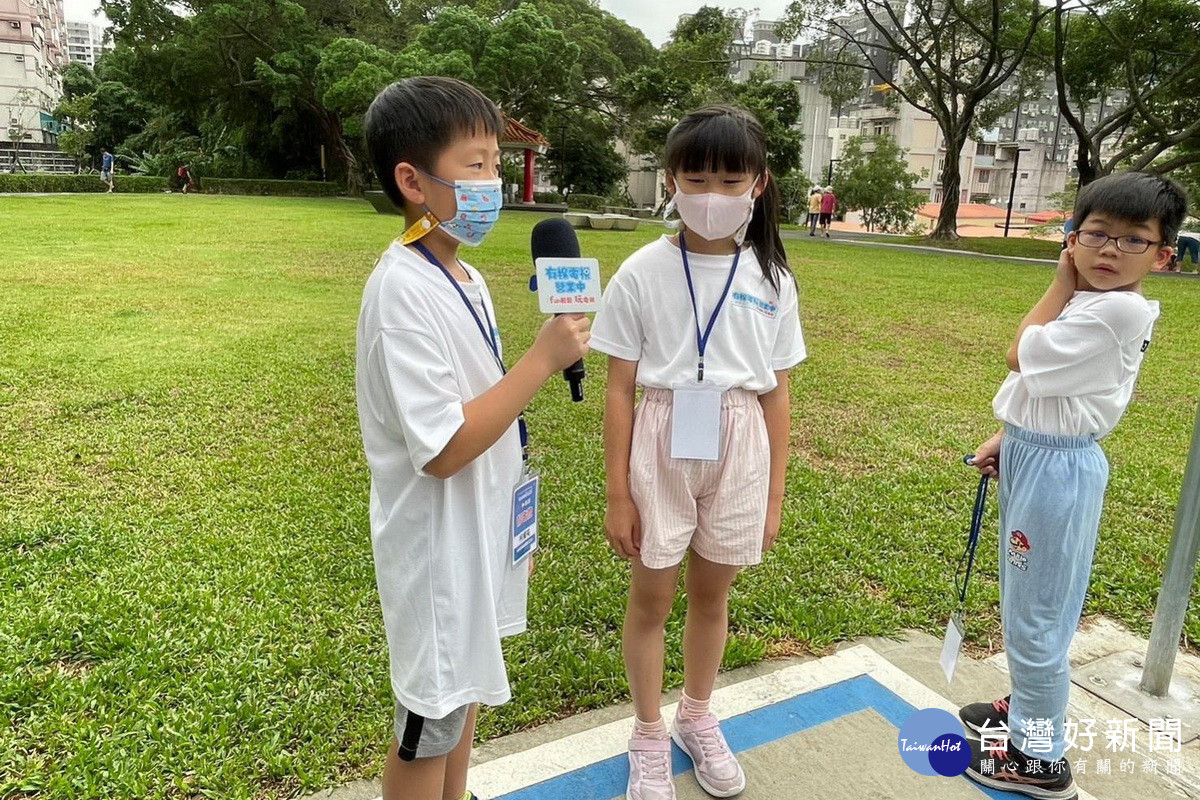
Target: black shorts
x=826, y=219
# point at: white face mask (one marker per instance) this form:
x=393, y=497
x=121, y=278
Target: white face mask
x=714, y=216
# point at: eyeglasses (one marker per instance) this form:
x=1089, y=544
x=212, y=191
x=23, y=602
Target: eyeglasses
x=1126, y=244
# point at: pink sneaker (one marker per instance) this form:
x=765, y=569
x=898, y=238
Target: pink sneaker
x=650, y=770
x=717, y=770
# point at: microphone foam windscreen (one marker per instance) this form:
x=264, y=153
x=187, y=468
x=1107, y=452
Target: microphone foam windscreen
x=554, y=238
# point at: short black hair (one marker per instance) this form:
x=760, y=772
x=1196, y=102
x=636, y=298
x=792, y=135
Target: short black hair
x=1135, y=197
x=415, y=119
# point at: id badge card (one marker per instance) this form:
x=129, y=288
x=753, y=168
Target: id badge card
x=525, y=518
x=696, y=420
x=952, y=645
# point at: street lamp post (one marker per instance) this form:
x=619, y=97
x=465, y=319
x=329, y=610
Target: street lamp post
x=829, y=179
x=563, y=162
x=1012, y=187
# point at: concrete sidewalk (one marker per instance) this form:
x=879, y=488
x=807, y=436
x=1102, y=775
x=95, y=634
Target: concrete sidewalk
x=828, y=728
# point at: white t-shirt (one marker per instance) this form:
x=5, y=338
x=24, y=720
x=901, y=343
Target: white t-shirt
x=1077, y=372
x=442, y=547
x=646, y=316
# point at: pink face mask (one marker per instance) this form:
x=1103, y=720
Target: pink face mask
x=714, y=216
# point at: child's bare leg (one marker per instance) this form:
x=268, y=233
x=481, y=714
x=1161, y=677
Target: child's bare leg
x=651, y=594
x=455, y=783
x=419, y=779
x=707, y=624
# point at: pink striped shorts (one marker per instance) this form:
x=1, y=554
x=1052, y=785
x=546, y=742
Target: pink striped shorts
x=717, y=508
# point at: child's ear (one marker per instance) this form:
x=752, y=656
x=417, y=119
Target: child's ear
x=406, y=176
x=1163, y=257
x=671, y=187
x=760, y=185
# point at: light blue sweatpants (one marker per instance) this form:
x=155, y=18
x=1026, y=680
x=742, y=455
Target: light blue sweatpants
x=1051, y=494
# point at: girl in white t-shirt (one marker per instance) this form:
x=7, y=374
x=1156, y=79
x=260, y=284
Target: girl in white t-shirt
x=707, y=323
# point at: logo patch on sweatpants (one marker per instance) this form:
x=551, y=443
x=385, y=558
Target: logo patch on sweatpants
x=1018, y=546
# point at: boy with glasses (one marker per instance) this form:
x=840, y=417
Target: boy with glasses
x=1073, y=365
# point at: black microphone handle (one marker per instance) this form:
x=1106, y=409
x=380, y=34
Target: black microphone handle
x=574, y=375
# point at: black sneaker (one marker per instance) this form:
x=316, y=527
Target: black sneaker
x=992, y=716
x=1010, y=770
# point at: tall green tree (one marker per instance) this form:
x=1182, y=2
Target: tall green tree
x=872, y=177
x=693, y=71
x=77, y=111
x=582, y=157
x=777, y=107
x=948, y=59
x=1128, y=81
x=278, y=81
x=841, y=73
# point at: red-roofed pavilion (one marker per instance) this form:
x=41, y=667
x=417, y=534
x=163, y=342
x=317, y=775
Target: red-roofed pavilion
x=520, y=137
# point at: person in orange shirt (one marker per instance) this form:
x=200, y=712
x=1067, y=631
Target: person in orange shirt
x=814, y=210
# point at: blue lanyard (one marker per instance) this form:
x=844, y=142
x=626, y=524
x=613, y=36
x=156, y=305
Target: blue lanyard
x=489, y=332
x=702, y=338
x=972, y=539
x=489, y=335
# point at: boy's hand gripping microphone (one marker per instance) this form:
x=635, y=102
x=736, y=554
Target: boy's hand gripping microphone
x=565, y=283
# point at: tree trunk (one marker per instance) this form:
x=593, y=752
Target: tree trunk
x=1087, y=170
x=353, y=176
x=947, y=222
x=342, y=153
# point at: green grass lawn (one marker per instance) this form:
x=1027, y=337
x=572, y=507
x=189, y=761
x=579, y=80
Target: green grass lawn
x=187, y=599
x=1017, y=244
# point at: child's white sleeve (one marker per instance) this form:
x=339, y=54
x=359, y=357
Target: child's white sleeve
x=1081, y=353
x=617, y=329
x=789, y=349
x=423, y=389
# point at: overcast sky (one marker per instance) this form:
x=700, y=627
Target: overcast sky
x=655, y=17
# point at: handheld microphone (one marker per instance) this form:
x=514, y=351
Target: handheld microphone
x=555, y=238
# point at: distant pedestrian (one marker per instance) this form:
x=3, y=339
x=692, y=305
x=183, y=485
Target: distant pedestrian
x=828, y=208
x=106, y=169
x=185, y=178
x=1188, y=244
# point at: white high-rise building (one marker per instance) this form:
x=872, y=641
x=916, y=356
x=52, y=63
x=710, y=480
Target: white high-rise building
x=85, y=42
x=32, y=56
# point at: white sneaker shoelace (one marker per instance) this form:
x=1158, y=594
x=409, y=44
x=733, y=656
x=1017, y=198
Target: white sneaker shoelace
x=713, y=746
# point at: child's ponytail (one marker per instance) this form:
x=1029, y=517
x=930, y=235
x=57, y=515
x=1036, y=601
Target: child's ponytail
x=763, y=233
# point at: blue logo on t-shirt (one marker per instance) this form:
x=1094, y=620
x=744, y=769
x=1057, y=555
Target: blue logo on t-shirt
x=764, y=307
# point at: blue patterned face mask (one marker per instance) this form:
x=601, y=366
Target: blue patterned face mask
x=478, y=209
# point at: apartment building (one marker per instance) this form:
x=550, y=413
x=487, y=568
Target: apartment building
x=32, y=55
x=1034, y=138
x=85, y=42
